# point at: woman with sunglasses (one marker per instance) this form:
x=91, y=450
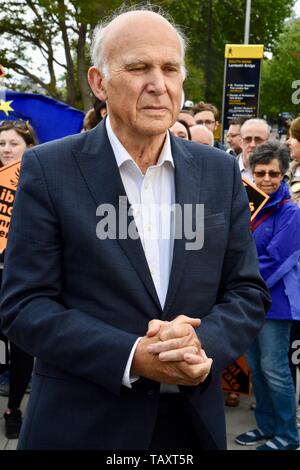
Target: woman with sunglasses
x=15, y=137
x=276, y=231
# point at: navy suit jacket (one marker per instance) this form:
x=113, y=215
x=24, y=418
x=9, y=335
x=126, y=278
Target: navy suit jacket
x=79, y=303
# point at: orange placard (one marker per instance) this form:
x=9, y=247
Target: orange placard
x=257, y=198
x=2, y=71
x=236, y=377
x=9, y=178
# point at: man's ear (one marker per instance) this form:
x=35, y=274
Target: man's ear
x=95, y=79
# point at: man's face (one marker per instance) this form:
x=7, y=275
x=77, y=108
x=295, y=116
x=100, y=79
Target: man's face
x=234, y=139
x=144, y=86
x=206, y=118
x=252, y=136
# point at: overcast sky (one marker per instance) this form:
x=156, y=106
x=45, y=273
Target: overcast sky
x=297, y=8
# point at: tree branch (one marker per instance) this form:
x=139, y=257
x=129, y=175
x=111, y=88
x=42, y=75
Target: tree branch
x=71, y=89
x=25, y=72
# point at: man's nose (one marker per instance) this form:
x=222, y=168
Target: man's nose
x=156, y=82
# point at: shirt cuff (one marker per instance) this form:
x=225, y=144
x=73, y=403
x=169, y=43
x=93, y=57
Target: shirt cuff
x=127, y=378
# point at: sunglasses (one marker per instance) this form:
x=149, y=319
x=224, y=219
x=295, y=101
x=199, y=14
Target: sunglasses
x=263, y=173
x=19, y=124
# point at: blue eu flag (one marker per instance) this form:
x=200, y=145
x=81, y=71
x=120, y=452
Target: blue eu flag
x=50, y=119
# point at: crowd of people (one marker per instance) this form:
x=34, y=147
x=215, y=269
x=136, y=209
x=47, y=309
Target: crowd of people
x=129, y=330
x=278, y=247
x=15, y=138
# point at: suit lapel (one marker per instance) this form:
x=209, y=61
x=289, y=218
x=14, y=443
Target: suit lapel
x=100, y=171
x=187, y=188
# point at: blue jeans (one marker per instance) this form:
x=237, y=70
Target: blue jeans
x=273, y=385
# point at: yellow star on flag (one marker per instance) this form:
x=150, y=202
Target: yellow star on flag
x=5, y=106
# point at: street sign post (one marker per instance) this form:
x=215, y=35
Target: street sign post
x=241, y=82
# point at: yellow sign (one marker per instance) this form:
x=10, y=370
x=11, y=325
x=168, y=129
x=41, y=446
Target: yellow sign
x=244, y=51
x=9, y=178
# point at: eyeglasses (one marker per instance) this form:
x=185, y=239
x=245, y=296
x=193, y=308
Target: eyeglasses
x=19, y=124
x=263, y=173
x=207, y=122
x=257, y=140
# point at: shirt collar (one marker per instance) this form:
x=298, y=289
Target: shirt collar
x=123, y=156
x=241, y=163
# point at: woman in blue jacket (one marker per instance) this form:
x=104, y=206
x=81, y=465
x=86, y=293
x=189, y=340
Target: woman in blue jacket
x=276, y=230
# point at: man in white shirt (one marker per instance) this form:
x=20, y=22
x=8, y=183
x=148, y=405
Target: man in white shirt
x=254, y=132
x=121, y=240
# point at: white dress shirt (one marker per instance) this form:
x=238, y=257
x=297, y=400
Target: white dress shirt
x=246, y=173
x=151, y=196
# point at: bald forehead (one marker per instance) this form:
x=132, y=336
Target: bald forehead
x=139, y=15
x=199, y=129
x=136, y=23
x=200, y=133
x=255, y=127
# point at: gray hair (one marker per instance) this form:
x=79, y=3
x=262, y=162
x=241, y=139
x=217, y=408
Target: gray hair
x=256, y=121
x=97, y=52
x=265, y=153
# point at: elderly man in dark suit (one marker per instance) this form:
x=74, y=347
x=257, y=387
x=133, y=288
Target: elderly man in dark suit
x=132, y=309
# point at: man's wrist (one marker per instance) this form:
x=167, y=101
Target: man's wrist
x=129, y=377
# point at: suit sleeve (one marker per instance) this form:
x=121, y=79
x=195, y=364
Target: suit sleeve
x=232, y=324
x=33, y=315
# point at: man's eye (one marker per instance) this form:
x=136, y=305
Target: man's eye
x=171, y=68
x=136, y=68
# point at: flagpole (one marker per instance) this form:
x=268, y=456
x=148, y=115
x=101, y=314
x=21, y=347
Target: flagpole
x=2, y=88
x=247, y=22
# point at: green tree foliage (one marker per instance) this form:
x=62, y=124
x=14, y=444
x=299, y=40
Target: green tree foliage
x=43, y=25
x=43, y=29
x=210, y=24
x=279, y=90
